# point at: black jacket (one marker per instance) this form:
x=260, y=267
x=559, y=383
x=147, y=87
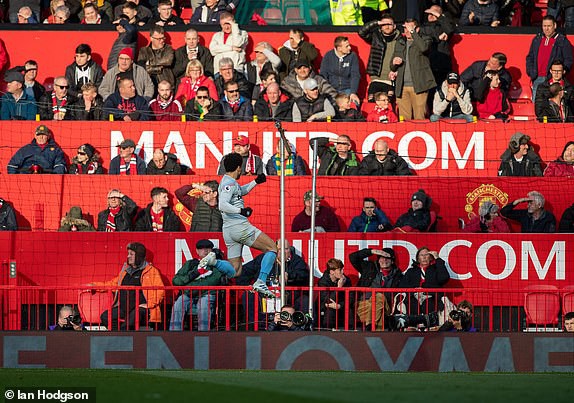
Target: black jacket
x=369, y=270
x=545, y=224
x=567, y=220
x=283, y=112
x=543, y=94
x=436, y=276
x=181, y=60
x=334, y=318
x=508, y=164
x=393, y=164
x=192, y=112
x=244, y=113
x=245, y=87
x=474, y=79
x=123, y=219
x=328, y=156
x=439, y=55
x=96, y=111
x=555, y=113
x=7, y=217
x=171, y=167
x=416, y=219
x=372, y=34
x=96, y=77
x=171, y=222
x=45, y=107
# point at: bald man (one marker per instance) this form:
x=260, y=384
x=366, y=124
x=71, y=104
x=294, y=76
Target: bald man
x=273, y=105
x=383, y=161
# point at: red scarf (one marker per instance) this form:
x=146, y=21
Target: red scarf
x=126, y=169
x=250, y=165
x=91, y=168
x=57, y=109
x=111, y=221
x=156, y=221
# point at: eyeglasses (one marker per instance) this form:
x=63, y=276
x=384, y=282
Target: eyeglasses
x=62, y=87
x=232, y=91
x=201, y=97
x=81, y=153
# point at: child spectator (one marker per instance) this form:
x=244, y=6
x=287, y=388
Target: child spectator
x=383, y=111
x=344, y=111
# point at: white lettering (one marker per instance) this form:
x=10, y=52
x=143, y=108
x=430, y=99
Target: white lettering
x=476, y=142
x=202, y=141
x=159, y=356
x=100, y=345
x=500, y=358
x=558, y=251
x=509, y=260
x=174, y=138
x=384, y=360
x=444, y=253
x=430, y=157
x=452, y=357
x=315, y=343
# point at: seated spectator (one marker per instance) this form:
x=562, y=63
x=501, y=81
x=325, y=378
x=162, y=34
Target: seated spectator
x=265, y=60
x=136, y=271
x=251, y=165
x=227, y=73
x=564, y=165
x=208, y=12
x=294, y=164
x=480, y=12
x=157, y=58
x=344, y=112
x=163, y=163
x=520, y=159
x=383, y=161
x=58, y=104
x=325, y=218
x=202, y=107
x=127, y=162
x=337, y=160
x=90, y=105
x=233, y=105
x=62, y=15
x=86, y=161
x=125, y=68
x=157, y=216
x=84, y=70
x=193, y=80
x=293, y=84
x=333, y=303
x=418, y=217
x=165, y=16
x=452, y=100
x=267, y=77
x=68, y=319
x=54, y=4
x=42, y=155
x=495, y=104
x=383, y=110
x=557, y=74
x=75, y=221
x=534, y=219
x=31, y=86
x=202, y=200
x=296, y=49
x=93, y=14
x=312, y=106
x=192, y=50
x=165, y=107
x=478, y=75
x=119, y=214
x=273, y=105
x=284, y=325
x=17, y=104
x=372, y=219
x=340, y=67
x=7, y=217
x=125, y=105
x=26, y=16
x=555, y=109
x=137, y=13
x=229, y=42
x=569, y=322
x=487, y=220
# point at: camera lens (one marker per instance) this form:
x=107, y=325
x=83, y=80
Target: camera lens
x=285, y=316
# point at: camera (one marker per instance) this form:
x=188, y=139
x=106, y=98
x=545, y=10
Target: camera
x=73, y=320
x=298, y=318
x=457, y=315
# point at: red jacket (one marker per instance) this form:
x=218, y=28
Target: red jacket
x=376, y=114
x=187, y=88
x=497, y=225
x=559, y=168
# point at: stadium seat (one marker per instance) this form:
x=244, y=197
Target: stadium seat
x=567, y=299
x=541, y=305
x=433, y=222
x=186, y=14
x=293, y=16
x=273, y=16
x=91, y=305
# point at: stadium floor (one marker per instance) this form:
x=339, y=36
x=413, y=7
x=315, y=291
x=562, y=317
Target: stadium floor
x=291, y=386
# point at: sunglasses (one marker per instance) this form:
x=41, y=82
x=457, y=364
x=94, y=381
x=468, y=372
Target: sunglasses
x=81, y=153
x=232, y=91
x=63, y=87
x=201, y=97
x=386, y=25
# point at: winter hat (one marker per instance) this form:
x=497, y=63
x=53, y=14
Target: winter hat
x=75, y=212
x=128, y=52
x=140, y=251
x=204, y=244
x=517, y=140
x=420, y=195
x=88, y=149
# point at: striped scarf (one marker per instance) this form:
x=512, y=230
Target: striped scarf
x=250, y=165
x=111, y=221
x=59, y=109
x=91, y=168
x=288, y=165
x=126, y=169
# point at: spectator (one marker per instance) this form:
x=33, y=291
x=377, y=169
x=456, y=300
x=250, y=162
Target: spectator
x=325, y=218
x=383, y=110
x=480, y=12
x=564, y=165
x=42, y=155
x=333, y=303
x=569, y=322
x=137, y=13
x=520, y=159
x=61, y=15
x=452, y=100
x=383, y=161
x=267, y=77
x=57, y=105
x=26, y=16
x=294, y=164
x=412, y=72
x=163, y=163
x=229, y=42
x=157, y=58
x=165, y=107
x=32, y=87
x=312, y=106
x=125, y=68
x=195, y=78
x=201, y=199
x=192, y=273
x=86, y=161
x=7, y=217
x=251, y=165
x=83, y=71
x=127, y=39
x=534, y=219
x=546, y=47
x=340, y=67
x=54, y=4
x=418, y=217
x=488, y=220
x=233, y=105
x=209, y=12
x=202, y=107
x=296, y=50
x=478, y=75
x=17, y=104
x=555, y=8
x=337, y=160
x=556, y=74
x=165, y=16
x=125, y=104
x=555, y=109
x=265, y=60
x=136, y=271
x=192, y=50
x=495, y=103
x=127, y=162
x=12, y=13
x=381, y=35
x=75, y=221
x=440, y=28
x=344, y=112
x=157, y=216
x=282, y=325
x=119, y=214
x=90, y=105
x=273, y=105
x=92, y=14
x=293, y=84
x=453, y=10
x=372, y=219
x=227, y=73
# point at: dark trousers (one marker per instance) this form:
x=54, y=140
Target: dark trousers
x=124, y=320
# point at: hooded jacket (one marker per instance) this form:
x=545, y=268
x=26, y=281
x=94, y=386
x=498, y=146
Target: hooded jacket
x=306, y=52
x=560, y=167
x=96, y=75
x=508, y=164
x=76, y=219
x=7, y=217
x=328, y=156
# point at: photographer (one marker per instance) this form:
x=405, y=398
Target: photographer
x=68, y=319
x=283, y=321
x=460, y=319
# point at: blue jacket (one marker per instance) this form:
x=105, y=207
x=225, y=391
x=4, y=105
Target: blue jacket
x=562, y=50
x=24, y=109
x=342, y=74
x=115, y=165
x=484, y=14
x=244, y=113
x=362, y=223
x=137, y=107
x=50, y=158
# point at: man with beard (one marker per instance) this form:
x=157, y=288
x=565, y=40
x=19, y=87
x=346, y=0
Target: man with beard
x=164, y=107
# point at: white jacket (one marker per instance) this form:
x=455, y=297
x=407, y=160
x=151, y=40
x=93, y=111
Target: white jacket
x=220, y=49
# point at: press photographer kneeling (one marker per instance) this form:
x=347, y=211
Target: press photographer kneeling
x=68, y=319
x=459, y=319
x=289, y=320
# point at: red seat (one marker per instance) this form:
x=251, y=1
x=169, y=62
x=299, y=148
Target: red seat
x=186, y=14
x=273, y=16
x=567, y=299
x=91, y=305
x=293, y=16
x=542, y=305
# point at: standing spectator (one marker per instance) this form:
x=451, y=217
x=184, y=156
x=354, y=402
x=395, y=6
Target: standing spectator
x=520, y=159
x=229, y=42
x=192, y=50
x=233, y=105
x=265, y=60
x=75, y=221
x=32, y=87
x=227, y=72
x=564, y=165
x=165, y=107
x=17, y=104
x=294, y=164
x=325, y=218
x=480, y=12
x=312, y=106
x=340, y=67
x=251, y=165
x=412, y=72
x=488, y=220
x=383, y=161
x=273, y=105
x=7, y=217
x=157, y=216
x=556, y=109
x=567, y=220
x=157, y=58
x=84, y=70
x=337, y=160
x=165, y=16
x=194, y=79
x=453, y=10
x=127, y=39
x=555, y=8
x=478, y=75
x=208, y=12
x=295, y=50
x=90, y=105
x=293, y=83
x=202, y=107
x=402, y=10
x=372, y=219
x=86, y=161
x=42, y=155
x=418, y=217
x=534, y=219
x=119, y=214
x=202, y=200
x=452, y=100
x=125, y=104
x=557, y=74
x=333, y=303
x=494, y=104
x=125, y=68
x=546, y=47
x=382, y=35
x=383, y=110
x=57, y=105
x=163, y=163
x=344, y=112
x=127, y=162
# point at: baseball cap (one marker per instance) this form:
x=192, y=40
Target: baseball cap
x=453, y=78
x=310, y=84
x=241, y=140
x=13, y=76
x=43, y=129
x=204, y=244
x=127, y=143
x=302, y=63
x=308, y=194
